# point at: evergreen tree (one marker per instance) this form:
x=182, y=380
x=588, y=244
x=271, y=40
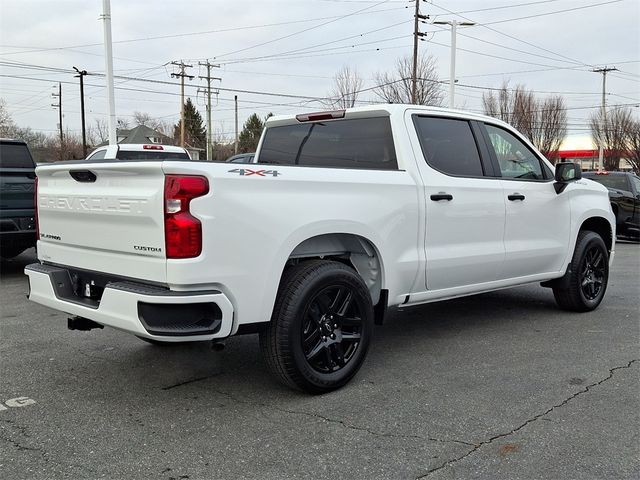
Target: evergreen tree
x=195, y=134
x=250, y=134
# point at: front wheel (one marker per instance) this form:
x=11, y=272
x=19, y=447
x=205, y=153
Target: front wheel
x=321, y=326
x=588, y=275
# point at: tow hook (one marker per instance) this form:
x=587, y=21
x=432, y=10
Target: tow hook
x=81, y=323
x=217, y=345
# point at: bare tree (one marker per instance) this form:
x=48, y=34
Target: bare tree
x=542, y=121
x=99, y=131
x=633, y=146
x=346, y=87
x=395, y=86
x=612, y=135
x=549, y=127
x=122, y=123
x=7, y=127
x=142, y=118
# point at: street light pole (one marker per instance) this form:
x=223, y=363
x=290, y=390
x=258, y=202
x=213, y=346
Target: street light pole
x=108, y=61
x=603, y=124
x=452, y=67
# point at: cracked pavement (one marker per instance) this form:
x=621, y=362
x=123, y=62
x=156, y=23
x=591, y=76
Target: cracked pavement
x=497, y=386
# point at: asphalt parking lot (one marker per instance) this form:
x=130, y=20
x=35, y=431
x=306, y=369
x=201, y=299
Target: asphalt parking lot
x=497, y=386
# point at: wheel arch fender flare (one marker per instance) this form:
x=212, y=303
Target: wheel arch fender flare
x=362, y=245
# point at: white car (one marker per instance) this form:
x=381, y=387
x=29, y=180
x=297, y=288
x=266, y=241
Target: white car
x=135, y=151
x=343, y=215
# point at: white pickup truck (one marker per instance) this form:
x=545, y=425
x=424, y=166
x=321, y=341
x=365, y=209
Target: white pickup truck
x=342, y=215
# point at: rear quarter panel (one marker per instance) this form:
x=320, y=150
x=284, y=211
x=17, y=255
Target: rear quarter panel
x=252, y=223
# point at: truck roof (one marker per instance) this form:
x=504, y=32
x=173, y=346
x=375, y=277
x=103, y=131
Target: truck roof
x=139, y=147
x=381, y=109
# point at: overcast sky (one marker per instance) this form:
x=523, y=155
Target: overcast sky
x=296, y=47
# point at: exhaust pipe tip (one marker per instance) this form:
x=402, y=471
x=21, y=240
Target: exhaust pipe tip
x=82, y=324
x=217, y=345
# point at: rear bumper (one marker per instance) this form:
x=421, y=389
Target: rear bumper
x=140, y=309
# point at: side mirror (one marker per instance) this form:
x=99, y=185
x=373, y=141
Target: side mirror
x=566, y=172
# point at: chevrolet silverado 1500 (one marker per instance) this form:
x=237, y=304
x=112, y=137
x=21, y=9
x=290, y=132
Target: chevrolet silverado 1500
x=342, y=215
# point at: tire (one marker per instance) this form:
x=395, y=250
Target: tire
x=587, y=276
x=321, y=327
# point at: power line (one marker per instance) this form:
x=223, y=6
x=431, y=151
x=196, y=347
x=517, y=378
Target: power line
x=187, y=34
x=318, y=53
x=507, y=6
x=292, y=52
x=497, y=56
x=573, y=60
x=554, y=12
x=300, y=31
x=267, y=93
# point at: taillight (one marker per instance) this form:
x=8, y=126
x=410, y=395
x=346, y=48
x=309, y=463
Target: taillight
x=182, y=231
x=35, y=201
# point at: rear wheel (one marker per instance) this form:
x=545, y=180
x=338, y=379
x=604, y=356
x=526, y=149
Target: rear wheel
x=321, y=326
x=588, y=275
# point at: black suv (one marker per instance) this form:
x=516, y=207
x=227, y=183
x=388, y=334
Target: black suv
x=624, y=194
x=17, y=202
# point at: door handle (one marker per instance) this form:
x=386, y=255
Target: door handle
x=515, y=196
x=83, y=176
x=441, y=196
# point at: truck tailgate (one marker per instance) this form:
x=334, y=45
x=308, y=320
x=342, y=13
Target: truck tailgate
x=107, y=217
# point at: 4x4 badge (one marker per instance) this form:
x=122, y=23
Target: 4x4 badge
x=245, y=172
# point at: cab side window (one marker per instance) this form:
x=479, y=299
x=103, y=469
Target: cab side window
x=98, y=155
x=448, y=145
x=516, y=160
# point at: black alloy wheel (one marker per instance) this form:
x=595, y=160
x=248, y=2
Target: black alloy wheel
x=332, y=329
x=592, y=273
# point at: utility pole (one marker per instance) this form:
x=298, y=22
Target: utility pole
x=59, y=107
x=603, y=126
x=108, y=62
x=81, y=74
x=235, y=144
x=208, y=78
x=416, y=36
x=181, y=75
x=452, y=67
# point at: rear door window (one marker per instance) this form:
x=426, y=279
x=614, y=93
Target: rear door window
x=364, y=143
x=448, y=145
x=15, y=155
